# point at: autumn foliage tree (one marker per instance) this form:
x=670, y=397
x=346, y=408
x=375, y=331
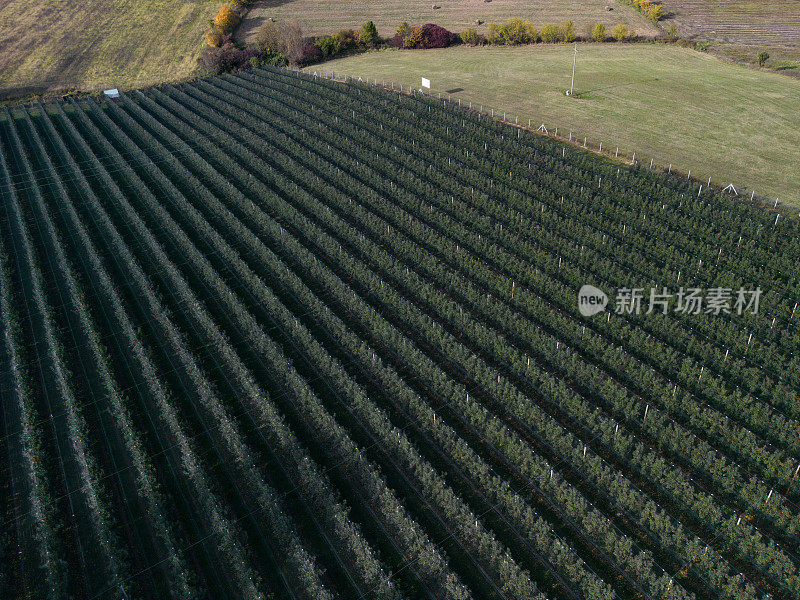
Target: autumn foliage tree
x=213, y=38
x=221, y=26
x=284, y=38
x=225, y=58
x=425, y=36
x=226, y=19
x=413, y=39
x=654, y=12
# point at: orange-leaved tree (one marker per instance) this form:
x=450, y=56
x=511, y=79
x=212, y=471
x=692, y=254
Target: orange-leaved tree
x=226, y=19
x=213, y=38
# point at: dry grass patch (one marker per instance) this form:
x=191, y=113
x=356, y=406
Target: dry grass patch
x=740, y=29
x=93, y=44
x=329, y=16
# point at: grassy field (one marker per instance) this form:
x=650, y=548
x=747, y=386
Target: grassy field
x=61, y=44
x=672, y=104
x=330, y=16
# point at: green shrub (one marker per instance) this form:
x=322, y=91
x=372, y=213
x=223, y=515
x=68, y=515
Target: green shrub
x=276, y=59
x=567, y=31
x=549, y=33
x=518, y=31
x=368, y=35
x=331, y=45
x=672, y=32
x=511, y=33
x=763, y=57
x=620, y=32
x=494, y=34
x=326, y=44
x=344, y=40
x=656, y=13
x=599, y=32
x=404, y=30
x=469, y=36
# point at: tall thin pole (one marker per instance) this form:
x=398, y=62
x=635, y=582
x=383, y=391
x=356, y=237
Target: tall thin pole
x=574, y=61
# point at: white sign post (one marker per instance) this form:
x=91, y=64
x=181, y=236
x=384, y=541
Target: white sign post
x=426, y=83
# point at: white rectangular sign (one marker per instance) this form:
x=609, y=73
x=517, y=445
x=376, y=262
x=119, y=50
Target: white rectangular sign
x=426, y=83
x=112, y=93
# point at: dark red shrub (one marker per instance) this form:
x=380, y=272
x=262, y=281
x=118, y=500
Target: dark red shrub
x=435, y=36
x=311, y=54
x=226, y=58
x=427, y=36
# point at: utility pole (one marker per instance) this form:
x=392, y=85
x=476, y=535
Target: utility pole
x=574, y=62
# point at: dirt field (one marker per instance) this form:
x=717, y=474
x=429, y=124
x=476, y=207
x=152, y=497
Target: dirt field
x=716, y=118
x=321, y=16
x=63, y=44
x=740, y=29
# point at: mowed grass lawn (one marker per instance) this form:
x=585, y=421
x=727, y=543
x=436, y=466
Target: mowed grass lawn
x=699, y=113
x=92, y=44
x=330, y=16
